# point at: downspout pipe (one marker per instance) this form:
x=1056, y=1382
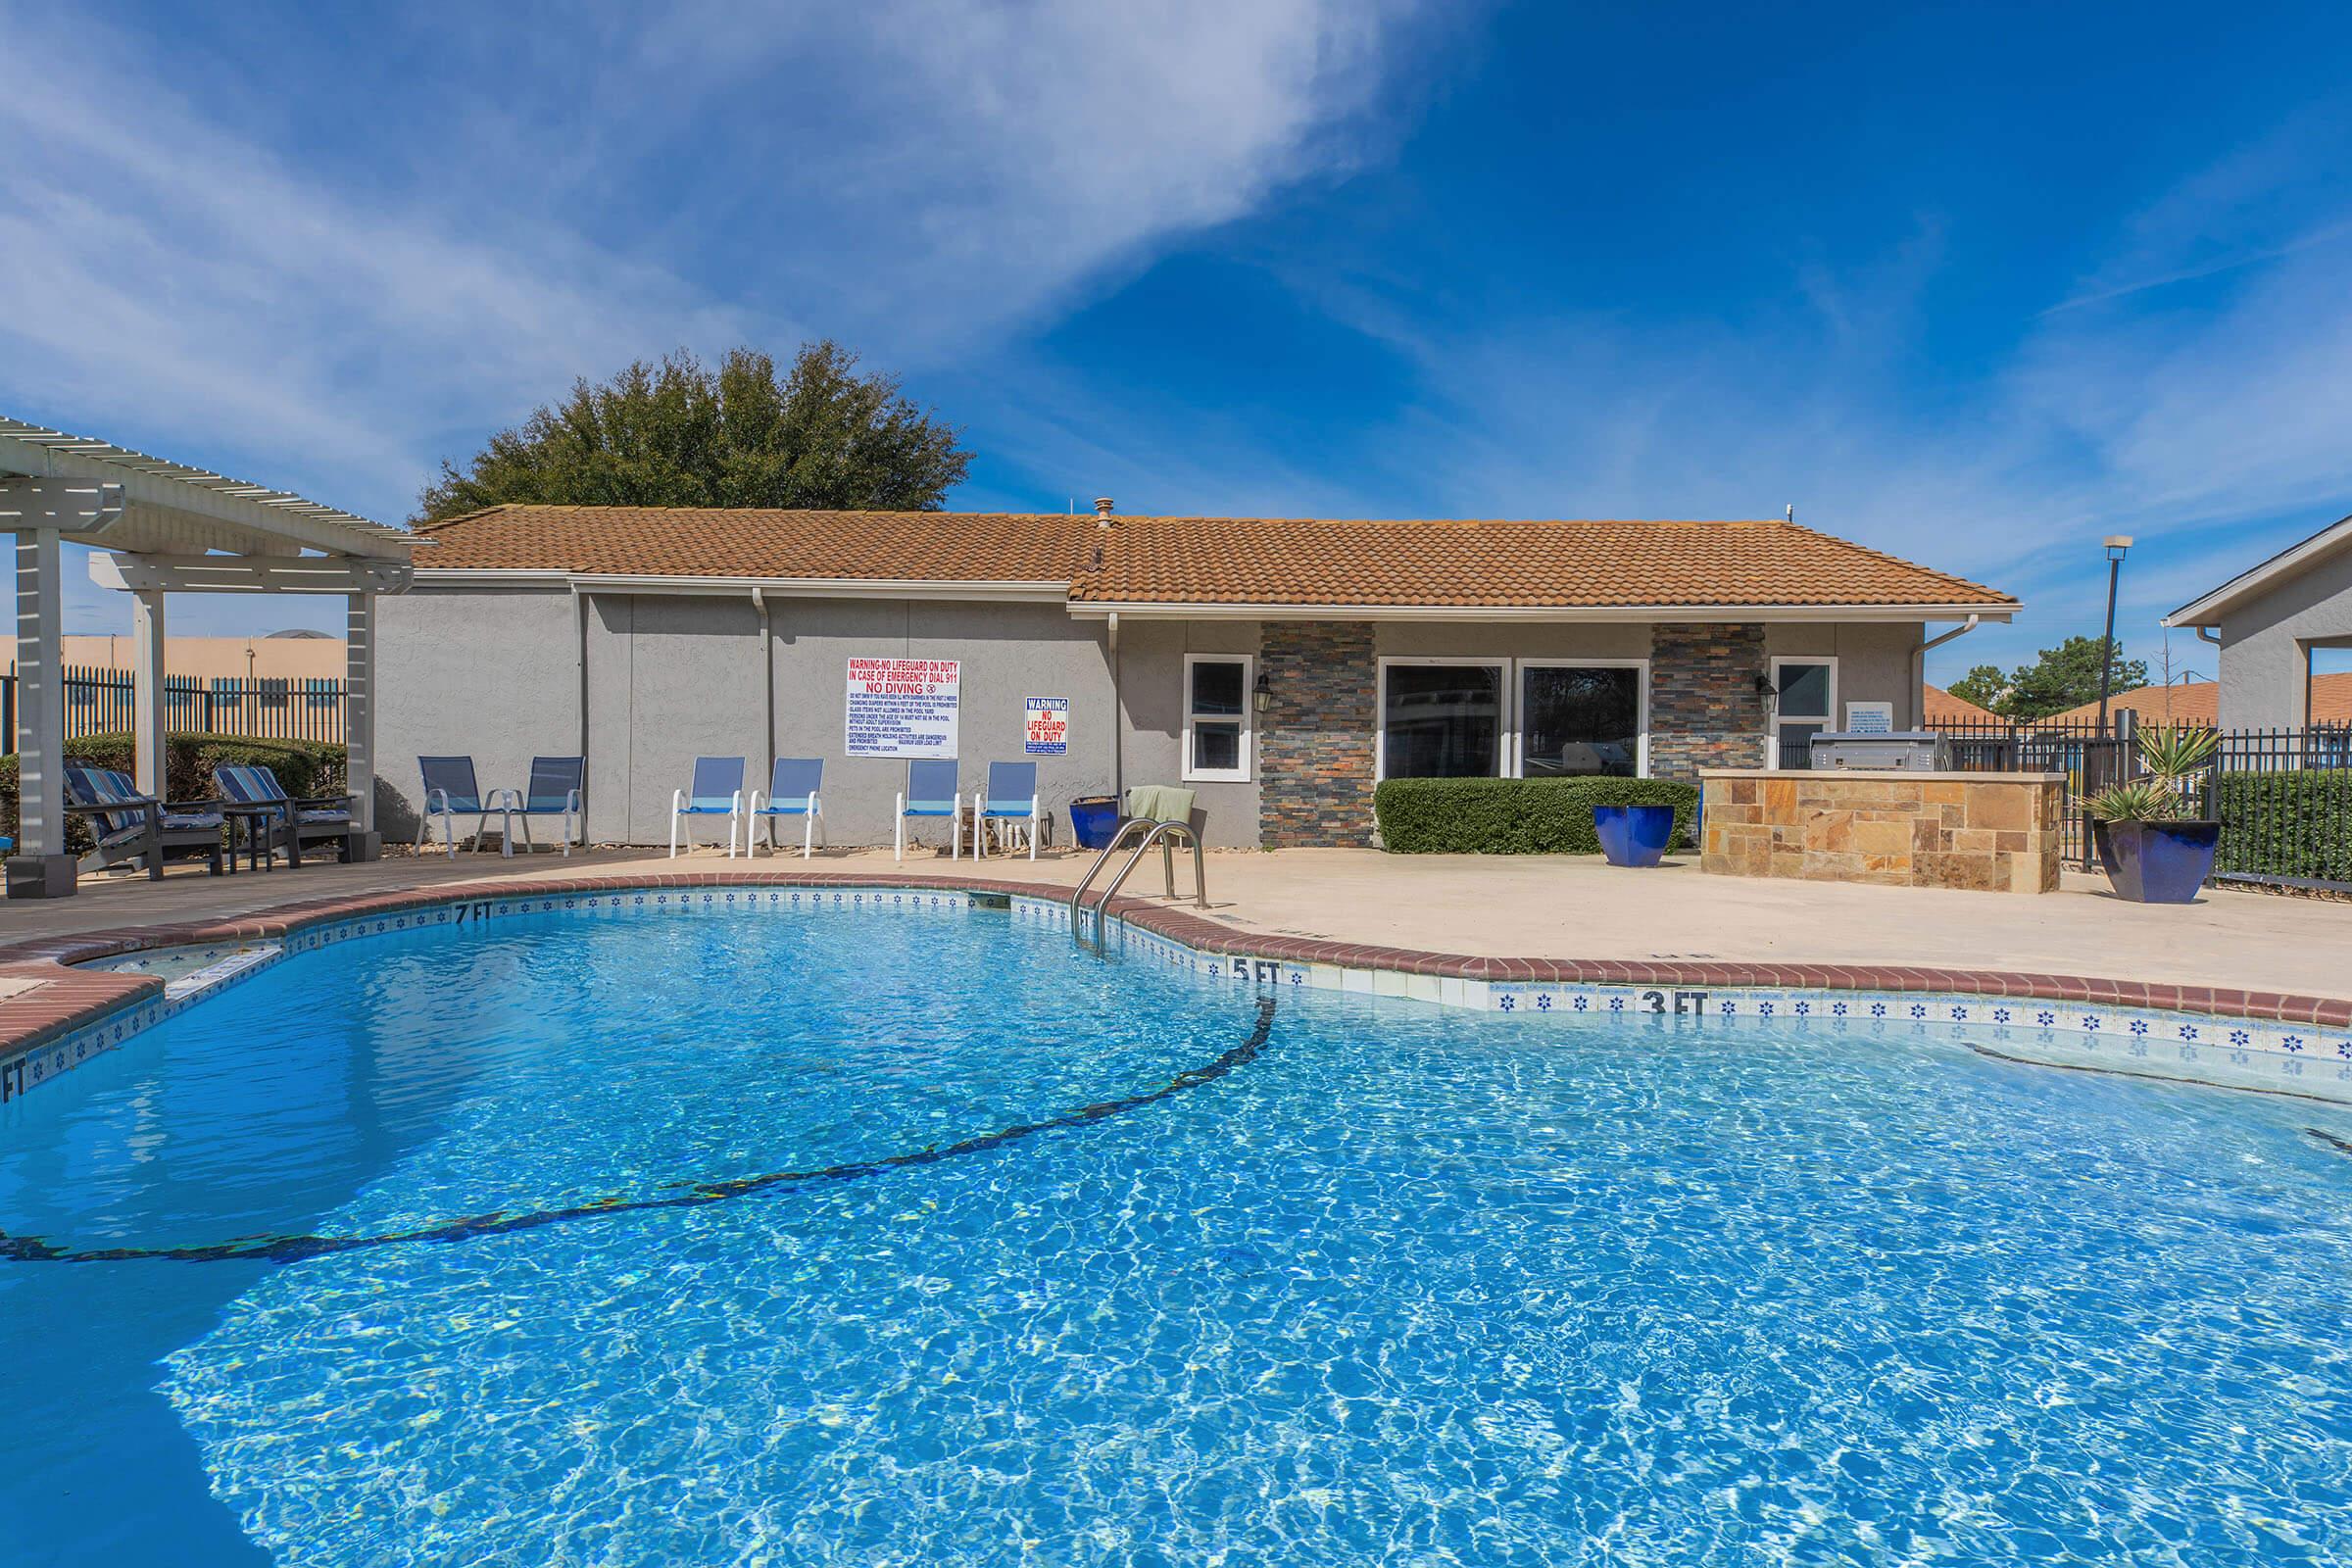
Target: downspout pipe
x=1919, y=667
x=768, y=685
x=1119, y=724
x=2206, y=634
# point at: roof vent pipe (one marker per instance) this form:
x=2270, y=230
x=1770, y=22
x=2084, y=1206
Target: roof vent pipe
x=1102, y=505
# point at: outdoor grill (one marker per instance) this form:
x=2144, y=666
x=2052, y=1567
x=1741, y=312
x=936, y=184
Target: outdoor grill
x=1914, y=750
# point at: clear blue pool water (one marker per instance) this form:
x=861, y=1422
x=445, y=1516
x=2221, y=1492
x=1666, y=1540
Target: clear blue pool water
x=1396, y=1286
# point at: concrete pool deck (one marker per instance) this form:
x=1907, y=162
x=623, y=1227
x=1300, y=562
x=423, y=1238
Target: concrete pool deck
x=1544, y=907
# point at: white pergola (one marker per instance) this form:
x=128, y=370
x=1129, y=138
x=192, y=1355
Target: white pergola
x=170, y=529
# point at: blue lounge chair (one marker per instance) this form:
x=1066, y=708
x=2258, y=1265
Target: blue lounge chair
x=130, y=827
x=932, y=790
x=450, y=793
x=1010, y=798
x=792, y=786
x=276, y=820
x=718, y=791
x=556, y=789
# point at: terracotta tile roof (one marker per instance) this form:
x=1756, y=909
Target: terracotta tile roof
x=1506, y=564
x=2199, y=702
x=1221, y=561
x=760, y=542
x=1943, y=708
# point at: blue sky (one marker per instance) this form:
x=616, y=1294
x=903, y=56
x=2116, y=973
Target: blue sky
x=1971, y=284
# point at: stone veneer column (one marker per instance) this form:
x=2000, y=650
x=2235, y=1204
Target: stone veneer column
x=1315, y=739
x=1704, y=709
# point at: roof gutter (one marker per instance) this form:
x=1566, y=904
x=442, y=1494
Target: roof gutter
x=1095, y=609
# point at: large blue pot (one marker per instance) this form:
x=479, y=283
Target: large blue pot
x=1094, y=818
x=2156, y=862
x=1634, y=835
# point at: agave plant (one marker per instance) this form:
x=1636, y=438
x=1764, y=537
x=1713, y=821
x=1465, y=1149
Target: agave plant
x=2172, y=754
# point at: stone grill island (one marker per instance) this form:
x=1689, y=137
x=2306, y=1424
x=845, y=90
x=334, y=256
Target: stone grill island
x=1989, y=832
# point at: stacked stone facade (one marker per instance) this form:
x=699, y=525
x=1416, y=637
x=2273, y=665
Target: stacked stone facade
x=1706, y=708
x=1315, y=739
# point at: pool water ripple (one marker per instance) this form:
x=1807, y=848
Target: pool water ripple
x=1416, y=1286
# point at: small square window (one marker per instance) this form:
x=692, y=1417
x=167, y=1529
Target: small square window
x=1216, y=717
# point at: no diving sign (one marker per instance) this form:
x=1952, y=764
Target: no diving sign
x=1047, y=731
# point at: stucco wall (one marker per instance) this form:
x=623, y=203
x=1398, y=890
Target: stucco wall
x=1874, y=659
x=492, y=675
x=1009, y=652
x=2264, y=663
x=1152, y=700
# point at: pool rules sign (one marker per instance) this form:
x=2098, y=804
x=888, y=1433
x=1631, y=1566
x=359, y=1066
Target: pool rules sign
x=904, y=707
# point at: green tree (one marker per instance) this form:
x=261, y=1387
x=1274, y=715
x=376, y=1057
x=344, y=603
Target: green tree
x=2063, y=677
x=1982, y=685
x=683, y=436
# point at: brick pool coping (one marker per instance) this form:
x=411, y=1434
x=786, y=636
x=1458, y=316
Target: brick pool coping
x=58, y=999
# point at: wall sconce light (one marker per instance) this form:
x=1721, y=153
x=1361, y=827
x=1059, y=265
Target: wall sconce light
x=1263, y=691
x=1765, y=687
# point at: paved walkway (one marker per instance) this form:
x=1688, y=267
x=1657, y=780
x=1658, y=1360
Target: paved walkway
x=1532, y=907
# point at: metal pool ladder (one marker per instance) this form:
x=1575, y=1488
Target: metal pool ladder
x=1146, y=832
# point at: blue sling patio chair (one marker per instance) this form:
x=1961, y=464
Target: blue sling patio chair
x=718, y=791
x=1010, y=798
x=555, y=788
x=792, y=786
x=450, y=793
x=932, y=790
x=276, y=820
x=133, y=828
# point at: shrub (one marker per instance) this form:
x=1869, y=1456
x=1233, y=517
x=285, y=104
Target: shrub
x=2296, y=823
x=304, y=767
x=1514, y=815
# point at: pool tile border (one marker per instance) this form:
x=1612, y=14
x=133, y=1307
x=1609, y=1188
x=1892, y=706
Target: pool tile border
x=91, y=991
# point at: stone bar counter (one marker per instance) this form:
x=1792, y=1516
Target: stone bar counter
x=1993, y=832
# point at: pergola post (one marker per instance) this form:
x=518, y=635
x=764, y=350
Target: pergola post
x=359, y=719
x=40, y=867
x=147, y=692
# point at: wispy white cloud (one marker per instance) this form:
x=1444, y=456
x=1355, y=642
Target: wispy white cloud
x=915, y=176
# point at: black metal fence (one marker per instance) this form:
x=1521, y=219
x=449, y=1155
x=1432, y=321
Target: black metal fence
x=2284, y=796
x=99, y=702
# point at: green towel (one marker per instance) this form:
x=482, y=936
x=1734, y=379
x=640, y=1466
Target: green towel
x=1160, y=802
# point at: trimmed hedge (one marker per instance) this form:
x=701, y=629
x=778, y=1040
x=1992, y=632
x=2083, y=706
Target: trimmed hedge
x=1514, y=815
x=304, y=767
x=2296, y=824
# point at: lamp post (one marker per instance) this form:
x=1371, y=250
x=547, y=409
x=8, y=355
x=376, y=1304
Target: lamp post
x=2116, y=544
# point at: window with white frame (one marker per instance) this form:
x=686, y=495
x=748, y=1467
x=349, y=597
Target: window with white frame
x=1217, y=719
x=1805, y=705
x=1582, y=719
x=1443, y=718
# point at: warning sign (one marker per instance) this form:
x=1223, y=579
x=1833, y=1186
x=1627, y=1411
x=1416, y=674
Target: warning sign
x=904, y=707
x=1047, y=729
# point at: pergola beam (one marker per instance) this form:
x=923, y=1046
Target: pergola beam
x=248, y=574
x=81, y=506
x=43, y=453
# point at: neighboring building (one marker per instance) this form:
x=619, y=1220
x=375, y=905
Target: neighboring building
x=295, y=654
x=2281, y=626
x=1943, y=708
x=1279, y=666
x=2199, y=703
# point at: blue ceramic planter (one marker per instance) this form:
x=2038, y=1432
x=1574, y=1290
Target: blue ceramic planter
x=2157, y=863
x=1634, y=835
x=1094, y=819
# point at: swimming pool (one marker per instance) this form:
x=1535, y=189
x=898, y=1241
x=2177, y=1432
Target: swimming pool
x=906, y=1234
